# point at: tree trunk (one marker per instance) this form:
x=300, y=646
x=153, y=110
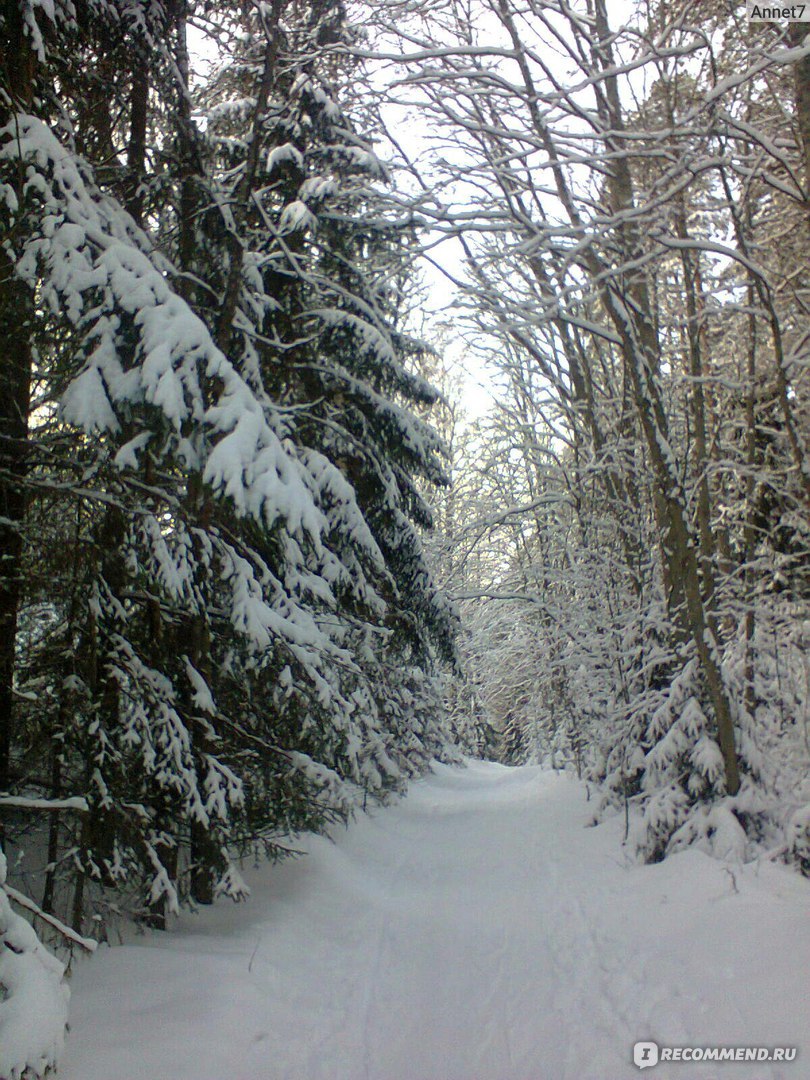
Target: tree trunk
x=635, y=327
x=15, y=388
x=16, y=318
x=801, y=83
x=136, y=149
x=678, y=541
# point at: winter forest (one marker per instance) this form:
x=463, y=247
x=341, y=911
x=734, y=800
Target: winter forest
x=391, y=388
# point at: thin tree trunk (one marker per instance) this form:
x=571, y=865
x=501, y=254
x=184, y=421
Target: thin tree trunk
x=679, y=543
x=750, y=489
x=801, y=84
x=191, y=638
x=65, y=704
x=634, y=325
x=700, y=457
x=55, y=790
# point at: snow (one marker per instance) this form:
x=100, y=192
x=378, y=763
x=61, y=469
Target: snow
x=476, y=930
x=75, y=802
x=202, y=696
x=295, y=216
x=33, y=996
x=89, y=246
x=282, y=154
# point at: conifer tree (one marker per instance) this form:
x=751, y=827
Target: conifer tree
x=240, y=635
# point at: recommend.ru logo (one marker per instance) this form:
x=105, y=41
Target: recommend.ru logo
x=648, y=1053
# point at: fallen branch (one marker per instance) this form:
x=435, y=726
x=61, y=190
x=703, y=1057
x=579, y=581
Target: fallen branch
x=88, y=944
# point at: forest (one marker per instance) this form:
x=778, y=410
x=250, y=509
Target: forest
x=387, y=383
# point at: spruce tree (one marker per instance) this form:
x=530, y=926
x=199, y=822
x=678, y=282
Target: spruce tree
x=240, y=631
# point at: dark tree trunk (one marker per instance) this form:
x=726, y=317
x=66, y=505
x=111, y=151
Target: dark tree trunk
x=16, y=318
x=15, y=386
x=136, y=150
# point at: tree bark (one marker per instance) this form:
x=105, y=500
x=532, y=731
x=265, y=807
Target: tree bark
x=634, y=324
x=136, y=149
x=801, y=84
x=16, y=321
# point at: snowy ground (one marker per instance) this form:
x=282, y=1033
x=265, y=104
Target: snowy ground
x=475, y=931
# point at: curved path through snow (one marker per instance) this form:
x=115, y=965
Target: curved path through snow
x=476, y=930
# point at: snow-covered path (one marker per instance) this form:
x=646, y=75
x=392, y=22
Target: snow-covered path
x=474, y=931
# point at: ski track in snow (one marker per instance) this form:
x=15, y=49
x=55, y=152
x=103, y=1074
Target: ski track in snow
x=477, y=930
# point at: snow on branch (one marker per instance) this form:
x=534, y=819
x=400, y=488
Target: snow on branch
x=19, y=802
x=90, y=262
x=88, y=944
x=33, y=996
